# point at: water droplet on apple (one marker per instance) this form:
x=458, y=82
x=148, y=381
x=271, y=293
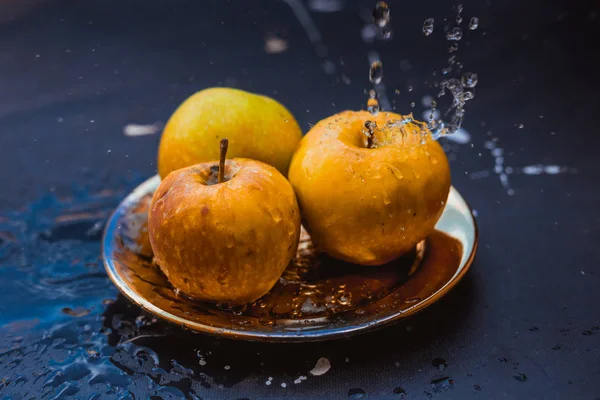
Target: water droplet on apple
x=386, y=199
x=396, y=171
x=277, y=215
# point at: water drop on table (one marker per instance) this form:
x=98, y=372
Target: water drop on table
x=428, y=26
x=381, y=14
x=439, y=363
x=400, y=393
x=473, y=23
x=376, y=72
x=322, y=366
x=454, y=34
x=357, y=393
x=441, y=384
x=521, y=377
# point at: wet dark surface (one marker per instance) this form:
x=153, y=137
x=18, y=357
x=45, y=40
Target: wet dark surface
x=524, y=322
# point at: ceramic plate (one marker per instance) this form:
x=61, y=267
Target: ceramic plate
x=317, y=298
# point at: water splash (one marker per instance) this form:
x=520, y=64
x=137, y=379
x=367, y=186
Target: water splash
x=373, y=102
x=428, y=26
x=473, y=23
x=376, y=72
x=460, y=87
x=381, y=14
x=454, y=34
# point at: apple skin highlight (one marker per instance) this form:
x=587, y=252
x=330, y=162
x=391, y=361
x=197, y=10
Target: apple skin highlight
x=224, y=242
x=364, y=205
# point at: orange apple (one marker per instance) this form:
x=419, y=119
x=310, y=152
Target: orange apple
x=370, y=187
x=226, y=232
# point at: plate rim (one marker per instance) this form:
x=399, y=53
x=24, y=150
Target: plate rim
x=276, y=337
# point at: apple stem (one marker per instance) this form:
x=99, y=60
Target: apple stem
x=222, y=155
x=371, y=126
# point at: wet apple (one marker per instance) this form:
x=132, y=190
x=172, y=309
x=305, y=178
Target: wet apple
x=370, y=187
x=224, y=232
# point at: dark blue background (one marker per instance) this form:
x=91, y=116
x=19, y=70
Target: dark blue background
x=524, y=323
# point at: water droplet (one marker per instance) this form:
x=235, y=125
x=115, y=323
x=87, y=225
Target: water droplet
x=412, y=104
x=376, y=72
x=454, y=34
x=477, y=387
x=265, y=321
x=381, y=14
x=428, y=26
x=412, y=300
x=439, y=363
x=467, y=95
x=372, y=102
x=521, y=377
x=386, y=33
x=441, y=384
x=469, y=79
x=357, y=393
x=400, y=392
x=410, y=88
x=322, y=366
x=473, y=23
x=453, y=47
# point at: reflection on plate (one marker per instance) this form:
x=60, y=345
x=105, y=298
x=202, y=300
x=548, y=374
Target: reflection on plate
x=317, y=298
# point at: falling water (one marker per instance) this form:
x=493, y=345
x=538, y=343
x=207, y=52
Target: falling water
x=458, y=84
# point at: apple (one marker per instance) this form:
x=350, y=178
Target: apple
x=226, y=232
x=257, y=127
x=370, y=187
